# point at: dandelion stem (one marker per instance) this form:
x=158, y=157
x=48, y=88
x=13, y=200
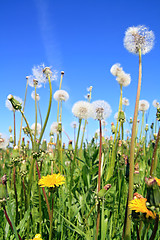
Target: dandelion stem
x=154, y=162
x=48, y=112
x=14, y=117
x=132, y=149
x=19, y=142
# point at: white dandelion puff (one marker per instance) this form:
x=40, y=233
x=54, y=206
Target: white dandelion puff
x=116, y=69
x=101, y=110
x=156, y=104
x=139, y=38
x=61, y=95
x=33, y=96
x=143, y=105
x=38, y=128
x=81, y=109
x=125, y=101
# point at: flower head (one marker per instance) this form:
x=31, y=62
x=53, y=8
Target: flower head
x=9, y=104
x=125, y=101
x=139, y=38
x=61, y=95
x=74, y=124
x=37, y=237
x=123, y=79
x=4, y=141
x=143, y=105
x=139, y=205
x=38, y=128
x=101, y=110
x=54, y=128
x=81, y=109
x=52, y=181
x=33, y=96
x=156, y=104
x=116, y=69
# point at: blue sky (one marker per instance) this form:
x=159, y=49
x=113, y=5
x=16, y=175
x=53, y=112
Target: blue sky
x=82, y=38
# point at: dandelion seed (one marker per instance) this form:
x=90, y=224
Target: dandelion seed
x=139, y=38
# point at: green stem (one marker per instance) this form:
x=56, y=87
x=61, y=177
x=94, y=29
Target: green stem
x=51, y=220
x=19, y=142
x=154, y=161
x=48, y=112
x=35, y=130
x=14, y=117
x=132, y=149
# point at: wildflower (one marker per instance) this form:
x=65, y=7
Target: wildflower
x=158, y=181
x=41, y=73
x=38, y=128
x=33, y=96
x=54, y=128
x=3, y=141
x=156, y=104
x=13, y=102
x=74, y=124
x=123, y=79
x=116, y=69
x=139, y=38
x=82, y=109
x=37, y=237
x=139, y=205
x=125, y=101
x=32, y=81
x=143, y=105
x=52, y=181
x=101, y=110
x=61, y=95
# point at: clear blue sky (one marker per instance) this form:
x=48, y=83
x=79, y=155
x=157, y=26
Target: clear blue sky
x=82, y=38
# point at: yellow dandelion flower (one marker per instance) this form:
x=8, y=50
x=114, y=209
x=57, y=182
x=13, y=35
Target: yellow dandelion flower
x=51, y=181
x=158, y=181
x=37, y=237
x=139, y=205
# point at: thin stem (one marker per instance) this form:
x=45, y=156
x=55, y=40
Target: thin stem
x=154, y=162
x=40, y=114
x=19, y=142
x=51, y=220
x=155, y=228
x=99, y=178
x=48, y=112
x=35, y=130
x=132, y=149
x=27, y=127
x=14, y=117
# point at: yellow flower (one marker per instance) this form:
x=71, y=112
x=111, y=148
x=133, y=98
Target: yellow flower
x=52, y=181
x=158, y=181
x=139, y=205
x=37, y=237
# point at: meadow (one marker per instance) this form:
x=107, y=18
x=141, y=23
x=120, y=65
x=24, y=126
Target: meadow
x=105, y=188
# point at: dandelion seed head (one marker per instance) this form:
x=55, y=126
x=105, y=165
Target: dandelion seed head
x=81, y=109
x=116, y=69
x=4, y=141
x=139, y=38
x=38, y=128
x=74, y=124
x=125, y=101
x=101, y=110
x=156, y=104
x=33, y=96
x=123, y=79
x=143, y=105
x=61, y=95
x=54, y=128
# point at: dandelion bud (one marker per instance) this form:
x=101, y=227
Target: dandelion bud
x=113, y=129
x=62, y=72
x=15, y=103
x=104, y=190
x=152, y=126
x=11, y=139
x=10, y=129
x=146, y=127
x=130, y=120
x=158, y=114
x=47, y=71
x=121, y=117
